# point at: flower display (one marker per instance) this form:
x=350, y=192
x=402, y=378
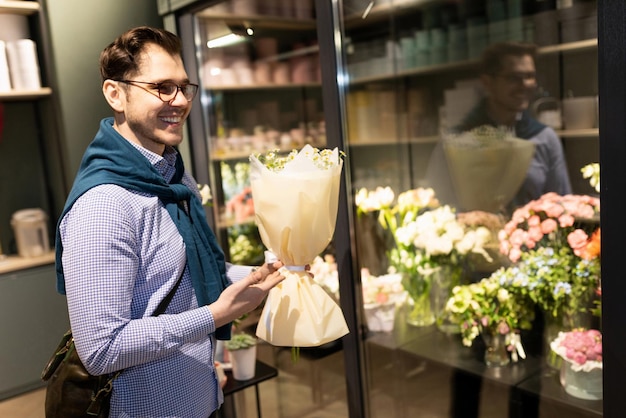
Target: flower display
x=244, y=245
x=555, y=242
x=496, y=303
x=382, y=289
x=559, y=282
x=581, y=348
x=426, y=239
x=432, y=240
x=550, y=221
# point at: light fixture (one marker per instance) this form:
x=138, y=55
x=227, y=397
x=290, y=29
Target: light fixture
x=228, y=34
x=225, y=40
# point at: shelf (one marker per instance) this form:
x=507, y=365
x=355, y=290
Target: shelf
x=546, y=385
x=260, y=21
x=578, y=133
x=263, y=87
x=13, y=263
x=460, y=65
x=19, y=7
x=392, y=141
x=230, y=222
x=382, y=11
x=17, y=95
x=569, y=47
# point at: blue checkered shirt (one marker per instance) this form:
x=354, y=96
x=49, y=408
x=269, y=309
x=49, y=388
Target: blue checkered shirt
x=122, y=255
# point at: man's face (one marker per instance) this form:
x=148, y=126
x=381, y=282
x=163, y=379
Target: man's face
x=512, y=87
x=150, y=122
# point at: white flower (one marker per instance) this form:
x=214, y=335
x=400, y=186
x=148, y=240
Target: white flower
x=592, y=172
x=205, y=193
x=368, y=201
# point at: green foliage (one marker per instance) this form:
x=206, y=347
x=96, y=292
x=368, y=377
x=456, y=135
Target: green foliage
x=240, y=341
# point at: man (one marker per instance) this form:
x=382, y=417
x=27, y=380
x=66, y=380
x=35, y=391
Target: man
x=508, y=76
x=132, y=227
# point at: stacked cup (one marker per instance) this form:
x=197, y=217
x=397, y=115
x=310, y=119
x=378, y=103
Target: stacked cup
x=23, y=64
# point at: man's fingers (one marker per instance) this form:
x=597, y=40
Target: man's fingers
x=271, y=280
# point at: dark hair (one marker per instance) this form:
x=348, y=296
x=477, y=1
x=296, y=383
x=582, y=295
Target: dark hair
x=493, y=55
x=121, y=58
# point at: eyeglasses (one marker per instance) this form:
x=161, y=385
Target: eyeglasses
x=166, y=90
x=515, y=78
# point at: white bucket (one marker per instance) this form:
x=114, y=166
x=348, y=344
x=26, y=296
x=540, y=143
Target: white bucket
x=31, y=232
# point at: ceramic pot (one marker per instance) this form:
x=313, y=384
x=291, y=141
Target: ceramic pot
x=380, y=316
x=244, y=363
x=582, y=384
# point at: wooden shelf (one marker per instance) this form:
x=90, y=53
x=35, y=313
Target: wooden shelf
x=19, y=7
x=460, y=65
x=260, y=21
x=578, y=133
x=249, y=87
x=16, y=95
x=12, y=263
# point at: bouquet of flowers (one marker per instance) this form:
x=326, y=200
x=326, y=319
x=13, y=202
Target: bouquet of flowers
x=380, y=290
x=550, y=221
x=556, y=242
x=433, y=240
x=296, y=202
x=496, y=304
x=381, y=296
x=581, y=348
x=487, y=165
x=428, y=239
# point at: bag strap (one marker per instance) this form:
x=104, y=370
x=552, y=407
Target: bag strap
x=96, y=400
x=168, y=298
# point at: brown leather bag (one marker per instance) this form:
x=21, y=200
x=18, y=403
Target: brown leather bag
x=72, y=391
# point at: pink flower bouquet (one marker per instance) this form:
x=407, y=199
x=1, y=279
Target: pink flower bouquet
x=550, y=221
x=581, y=348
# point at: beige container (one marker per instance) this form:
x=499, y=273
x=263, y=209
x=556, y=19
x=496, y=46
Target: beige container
x=580, y=112
x=31, y=232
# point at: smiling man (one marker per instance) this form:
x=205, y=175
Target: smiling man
x=133, y=231
x=508, y=75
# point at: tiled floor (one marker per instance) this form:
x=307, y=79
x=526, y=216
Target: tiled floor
x=290, y=395
x=316, y=389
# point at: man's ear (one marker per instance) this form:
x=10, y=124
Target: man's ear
x=114, y=95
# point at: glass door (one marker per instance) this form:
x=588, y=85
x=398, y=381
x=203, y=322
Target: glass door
x=258, y=65
x=464, y=148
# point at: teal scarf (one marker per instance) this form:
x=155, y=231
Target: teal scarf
x=111, y=159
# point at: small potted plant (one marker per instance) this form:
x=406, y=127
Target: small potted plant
x=242, y=349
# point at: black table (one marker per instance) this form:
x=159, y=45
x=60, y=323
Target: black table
x=262, y=373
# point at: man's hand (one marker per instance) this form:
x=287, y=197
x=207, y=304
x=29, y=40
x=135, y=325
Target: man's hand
x=245, y=295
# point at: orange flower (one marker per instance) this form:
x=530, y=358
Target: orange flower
x=592, y=249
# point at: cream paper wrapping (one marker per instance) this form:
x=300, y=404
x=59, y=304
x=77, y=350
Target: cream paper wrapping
x=487, y=174
x=296, y=211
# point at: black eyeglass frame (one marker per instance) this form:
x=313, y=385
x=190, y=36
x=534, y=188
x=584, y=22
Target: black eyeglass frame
x=183, y=89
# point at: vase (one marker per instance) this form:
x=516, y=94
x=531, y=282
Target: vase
x=419, y=303
x=444, y=279
x=496, y=352
x=562, y=322
x=243, y=363
x=582, y=384
x=380, y=316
